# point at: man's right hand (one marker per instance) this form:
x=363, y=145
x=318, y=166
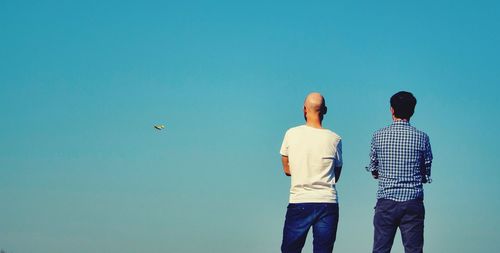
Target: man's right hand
x=375, y=174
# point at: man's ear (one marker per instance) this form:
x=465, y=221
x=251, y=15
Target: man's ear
x=325, y=110
x=392, y=110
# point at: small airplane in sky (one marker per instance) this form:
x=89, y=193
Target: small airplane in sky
x=159, y=127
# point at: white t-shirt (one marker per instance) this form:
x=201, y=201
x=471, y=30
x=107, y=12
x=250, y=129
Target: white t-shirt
x=313, y=153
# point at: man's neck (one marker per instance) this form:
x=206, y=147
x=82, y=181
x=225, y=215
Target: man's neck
x=314, y=122
x=394, y=119
x=314, y=125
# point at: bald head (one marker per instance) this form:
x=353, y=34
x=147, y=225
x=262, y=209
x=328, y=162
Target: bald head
x=314, y=103
x=314, y=109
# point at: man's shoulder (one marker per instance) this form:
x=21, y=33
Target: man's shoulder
x=294, y=129
x=419, y=132
x=381, y=131
x=305, y=129
x=388, y=129
x=333, y=134
x=329, y=135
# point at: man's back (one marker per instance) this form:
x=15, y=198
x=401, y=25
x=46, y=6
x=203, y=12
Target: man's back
x=399, y=152
x=400, y=158
x=312, y=156
x=313, y=153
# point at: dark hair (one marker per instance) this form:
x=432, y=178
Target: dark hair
x=403, y=104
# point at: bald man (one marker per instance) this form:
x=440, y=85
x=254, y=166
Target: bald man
x=312, y=157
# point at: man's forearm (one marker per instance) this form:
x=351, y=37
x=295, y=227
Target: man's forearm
x=286, y=165
x=426, y=177
x=337, y=171
x=286, y=169
x=373, y=168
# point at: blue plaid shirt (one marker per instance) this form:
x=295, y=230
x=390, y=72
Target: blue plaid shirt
x=402, y=156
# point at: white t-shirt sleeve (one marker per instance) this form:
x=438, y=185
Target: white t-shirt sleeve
x=338, y=155
x=284, y=145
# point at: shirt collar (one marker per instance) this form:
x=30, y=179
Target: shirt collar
x=400, y=123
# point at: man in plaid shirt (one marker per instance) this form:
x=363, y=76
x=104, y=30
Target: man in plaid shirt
x=400, y=158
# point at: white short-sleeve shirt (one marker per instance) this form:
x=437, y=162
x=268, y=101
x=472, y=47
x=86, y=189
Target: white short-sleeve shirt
x=313, y=154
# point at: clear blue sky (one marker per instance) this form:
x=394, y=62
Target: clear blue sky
x=81, y=84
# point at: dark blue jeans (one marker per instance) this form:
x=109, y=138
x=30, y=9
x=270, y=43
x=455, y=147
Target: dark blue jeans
x=323, y=217
x=408, y=216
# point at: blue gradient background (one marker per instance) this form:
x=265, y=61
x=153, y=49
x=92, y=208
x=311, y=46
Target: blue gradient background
x=82, y=83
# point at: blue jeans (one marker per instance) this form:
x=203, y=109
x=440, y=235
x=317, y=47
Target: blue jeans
x=323, y=217
x=408, y=216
